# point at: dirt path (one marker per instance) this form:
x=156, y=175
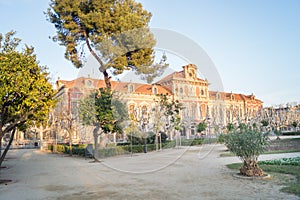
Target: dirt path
x=186, y=173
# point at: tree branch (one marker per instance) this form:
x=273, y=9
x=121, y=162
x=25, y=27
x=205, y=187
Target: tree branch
x=101, y=68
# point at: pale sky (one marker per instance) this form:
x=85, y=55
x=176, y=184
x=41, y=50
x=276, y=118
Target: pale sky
x=254, y=44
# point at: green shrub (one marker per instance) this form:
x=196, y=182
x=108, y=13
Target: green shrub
x=197, y=141
x=169, y=144
x=61, y=148
x=109, y=152
x=290, y=133
x=248, y=144
x=123, y=144
x=221, y=138
x=50, y=147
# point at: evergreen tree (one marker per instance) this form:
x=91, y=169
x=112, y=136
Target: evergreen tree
x=115, y=32
x=103, y=112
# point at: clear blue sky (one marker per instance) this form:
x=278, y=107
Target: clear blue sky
x=254, y=44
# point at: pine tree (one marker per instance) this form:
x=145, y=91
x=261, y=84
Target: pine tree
x=115, y=32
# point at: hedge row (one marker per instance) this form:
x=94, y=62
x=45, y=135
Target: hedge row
x=122, y=149
x=291, y=133
x=63, y=148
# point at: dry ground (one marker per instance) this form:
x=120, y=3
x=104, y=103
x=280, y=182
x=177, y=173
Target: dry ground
x=186, y=173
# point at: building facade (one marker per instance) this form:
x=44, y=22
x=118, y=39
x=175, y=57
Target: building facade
x=217, y=108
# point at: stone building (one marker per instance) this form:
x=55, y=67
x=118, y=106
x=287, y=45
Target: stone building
x=217, y=108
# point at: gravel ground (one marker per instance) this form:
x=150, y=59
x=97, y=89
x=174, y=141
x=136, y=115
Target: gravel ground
x=184, y=173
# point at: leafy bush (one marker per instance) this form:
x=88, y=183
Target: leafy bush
x=122, y=148
x=61, y=148
x=197, y=141
x=221, y=138
x=248, y=144
x=109, y=152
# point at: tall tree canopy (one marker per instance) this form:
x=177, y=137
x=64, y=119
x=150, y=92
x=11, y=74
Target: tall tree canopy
x=115, y=32
x=25, y=91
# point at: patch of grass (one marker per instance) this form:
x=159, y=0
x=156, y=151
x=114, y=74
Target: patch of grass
x=289, y=187
x=234, y=165
x=226, y=154
x=293, y=187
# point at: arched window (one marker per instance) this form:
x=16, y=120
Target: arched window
x=130, y=88
x=131, y=108
x=232, y=97
x=144, y=110
x=154, y=90
x=181, y=90
x=89, y=83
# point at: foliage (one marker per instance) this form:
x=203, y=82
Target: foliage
x=163, y=135
x=100, y=109
x=248, y=144
x=242, y=127
x=277, y=133
x=133, y=132
x=282, y=161
x=87, y=111
x=221, y=138
x=171, y=109
x=138, y=139
x=25, y=93
x=295, y=124
x=278, y=146
x=103, y=112
x=230, y=127
x=115, y=32
x=264, y=123
x=122, y=148
x=291, y=133
x=201, y=126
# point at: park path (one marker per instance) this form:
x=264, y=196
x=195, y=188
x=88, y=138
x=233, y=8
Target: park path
x=185, y=173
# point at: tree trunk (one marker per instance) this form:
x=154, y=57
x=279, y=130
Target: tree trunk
x=102, y=67
x=41, y=139
x=70, y=144
x=277, y=138
x=156, y=141
x=103, y=137
x=251, y=168
x=7, y=147
x=0, y=146
x=96, y=147
x=160, y=145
